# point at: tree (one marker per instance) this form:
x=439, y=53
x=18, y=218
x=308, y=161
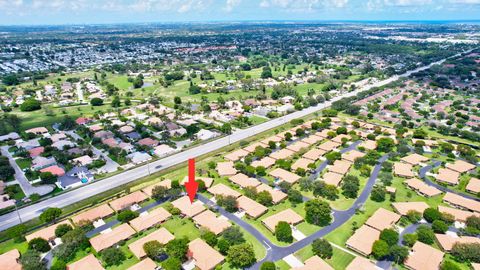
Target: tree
x=210, y=238
x=390, y=236
x=153, y=249
x=425, y=234
x=31, y=260
x=233, y=236
x=268, y=266
x=431, y=214
x=50, y=215
x=473, y=224
x=112, y=256
x=48, y=178
x=318, y=212
x=96, y=102
x=439, y=226
x=116, y=102
x=228, y=202
x=39, y=244
x=419, y=133
x=332, y=156
x=177, y=248
x=380, y=249
x=467, y=252
x=295, y=196
x=409, y=239
x=127, y=215
x=226, y=128
x=283, y=232
x=265, y=198
x=30, y=105
x=322, y=248
x=241, y=256
x=172, y=263
x=350, y=186
x=414, y=216
x=62, y=229
x=385, y=144
x=159, y=193
x=17, y=233
x=378, y=193
x=398, y=253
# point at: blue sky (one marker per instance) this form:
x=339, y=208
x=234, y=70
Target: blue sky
x=21, y=12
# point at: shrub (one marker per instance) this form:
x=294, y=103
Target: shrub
x=322, y=248
x=39, y=244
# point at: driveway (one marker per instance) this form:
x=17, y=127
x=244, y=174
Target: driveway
x=27, y=188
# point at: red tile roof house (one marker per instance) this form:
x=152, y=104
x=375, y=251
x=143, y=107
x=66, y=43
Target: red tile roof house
x=55, y=170
x=83, y=120
x=148, y=142
x=35, y=152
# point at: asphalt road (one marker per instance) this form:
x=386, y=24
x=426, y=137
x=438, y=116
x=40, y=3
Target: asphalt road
x=30, y=212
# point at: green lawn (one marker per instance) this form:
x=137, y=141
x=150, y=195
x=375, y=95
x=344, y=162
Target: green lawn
x=24, y=163
x=340, y=259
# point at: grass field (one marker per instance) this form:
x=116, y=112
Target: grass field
x=339, y=261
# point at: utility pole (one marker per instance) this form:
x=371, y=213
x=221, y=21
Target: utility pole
x=18, y=213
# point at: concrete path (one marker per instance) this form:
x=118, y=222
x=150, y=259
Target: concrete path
x=22, y=180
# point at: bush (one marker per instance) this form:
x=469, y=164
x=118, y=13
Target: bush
x=177, y=248
x=39, y=244
x=172, y=263
x=153, y=249
x=295, y=196
x=283, y=232
x=30, y=105
x=50, y=215
x=62, y=229
x=390, y=236
x=31, y=260
x=380, y=249
x=425, y=234
x=112, y=256
x=378, y=193
x=467, y=252
x=268, y=266
x=409, y=239
x=398, y=253
x=431, y=214
x=210, y=238
x=318, y=212
x=127, y=215
x=241, y=256
x=414, y=216
x=439, y=226
x=322, y=248
x=96, y=102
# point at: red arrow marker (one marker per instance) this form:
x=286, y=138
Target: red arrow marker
x=191, y=186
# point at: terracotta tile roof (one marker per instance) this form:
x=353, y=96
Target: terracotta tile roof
x=89, y=262
x=417, y=258
x=297, y=146
x=128, y=200
x=314, y=263
x=446, y=241
x=236, y=155
x=55, y=170
x=108, y=239
x=332, y=178
x=414, y=159
x=251, y=147
x=448, y=176
x=244, y=181
x=9, y=260
x=314, y=154
x=352, y=155
x=422, y=188
x=275, y=139
x=93, y=214
x=302, y=163
x=34, y=152
x=282, y=154
x=369, y=145
x=473, y=185
x=187, y=208
x=382, y=219
x=338, y=138
x=284, y=175
x=362, y=240
x=226, y=168
x=251, y=207
x=209, y=220
x=47, y=233
x=312, y=139
x=403, y=169
x=360, y=263
x=206, y=258
x=460, y=166
x=162, y=235
x=461, y=202
x=277, y=195
x=145, y=264
x=207, y=180
x=460, y=215
x=403, y=207
x=328, y=146
x=340, y=167
x=266, y=162
x=223, y=190
x=288, y=215
x=150, y=219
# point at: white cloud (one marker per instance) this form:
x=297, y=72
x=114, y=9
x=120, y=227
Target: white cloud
x=231, y=4
x=465, y=2
x=303, y=5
